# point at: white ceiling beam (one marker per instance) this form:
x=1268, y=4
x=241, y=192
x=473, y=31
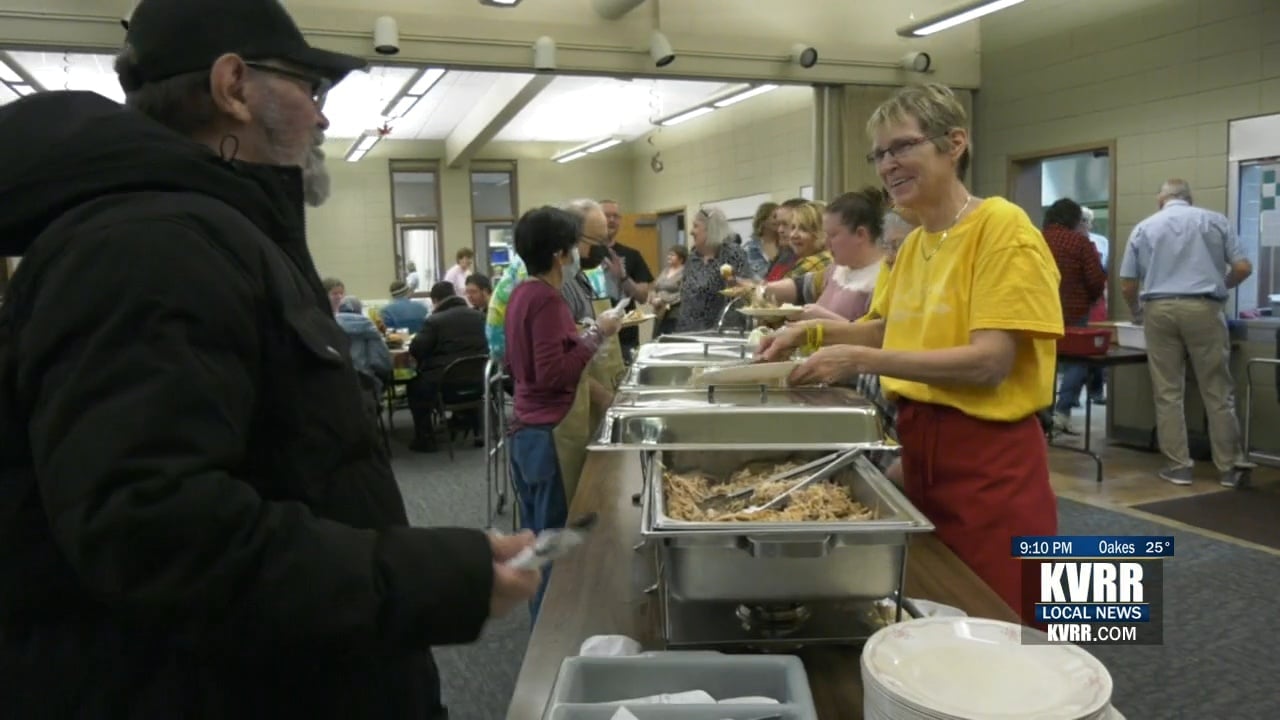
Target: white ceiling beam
x=499, y=106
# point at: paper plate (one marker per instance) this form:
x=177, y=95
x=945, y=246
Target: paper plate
x=786, y=312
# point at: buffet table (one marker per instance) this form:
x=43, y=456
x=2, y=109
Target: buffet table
x=600, y=590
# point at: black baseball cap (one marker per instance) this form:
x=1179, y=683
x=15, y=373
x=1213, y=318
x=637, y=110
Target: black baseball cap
x=172, y=37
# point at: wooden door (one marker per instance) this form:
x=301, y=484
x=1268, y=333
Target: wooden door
x=640, y=231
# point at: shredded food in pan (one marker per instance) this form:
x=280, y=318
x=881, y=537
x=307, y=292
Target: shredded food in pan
x=821, y=501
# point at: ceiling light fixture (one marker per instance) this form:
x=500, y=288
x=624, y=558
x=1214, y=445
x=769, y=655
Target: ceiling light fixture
x=362, y=146
x=500, y=3
x=744, y=94
x=544, y=53
x=660, y=49
x=418, y=87
x=804, y=55
x=955, y=16
x=584, y=150
x=686, y=116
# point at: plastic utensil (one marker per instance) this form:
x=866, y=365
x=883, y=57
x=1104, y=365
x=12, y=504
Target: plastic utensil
x=553, y=544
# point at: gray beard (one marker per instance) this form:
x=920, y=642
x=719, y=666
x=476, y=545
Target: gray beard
x=315, y=178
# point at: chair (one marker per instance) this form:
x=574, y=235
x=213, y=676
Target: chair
x=461, y=387
x=370, y=385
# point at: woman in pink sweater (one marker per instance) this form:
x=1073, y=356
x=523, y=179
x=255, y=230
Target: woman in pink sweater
x=546, y=355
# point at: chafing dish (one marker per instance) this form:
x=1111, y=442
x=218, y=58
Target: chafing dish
x=773, y=562
x=720, y=337
x=693, y=353
x=740, y=418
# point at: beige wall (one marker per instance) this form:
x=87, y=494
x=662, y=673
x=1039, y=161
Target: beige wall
x=351, y=235
x=763, y=145
x=1162, y=80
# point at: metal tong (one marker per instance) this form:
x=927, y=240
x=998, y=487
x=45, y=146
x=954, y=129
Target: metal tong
x=724, y=500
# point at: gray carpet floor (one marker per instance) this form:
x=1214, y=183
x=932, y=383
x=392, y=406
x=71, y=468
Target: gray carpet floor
x=1219, y=660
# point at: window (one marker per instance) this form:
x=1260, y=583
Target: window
x=415, y=209
x=493, y=214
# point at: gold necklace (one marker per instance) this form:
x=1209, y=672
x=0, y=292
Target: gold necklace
x=937, y=248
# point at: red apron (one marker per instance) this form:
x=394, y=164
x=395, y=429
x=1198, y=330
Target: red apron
x=981, y=483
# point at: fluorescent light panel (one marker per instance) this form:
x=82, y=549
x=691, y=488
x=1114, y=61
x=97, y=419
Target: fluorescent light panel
x=501, y=3
x=611, y=142
x=584, y=150
x=687, y=116
x=744, y=95
x=361, y=147
x=426, y=81
x=956, y=16
x=420, y=86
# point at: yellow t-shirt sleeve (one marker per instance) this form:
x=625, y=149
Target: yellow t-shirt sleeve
x=1015, y=282
x=881, y=295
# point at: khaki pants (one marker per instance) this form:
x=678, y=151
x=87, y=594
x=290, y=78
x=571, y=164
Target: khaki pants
x=1195, y=329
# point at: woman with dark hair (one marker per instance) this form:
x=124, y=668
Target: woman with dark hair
x=665, y=296
x=546, y=356
x=1082, y=285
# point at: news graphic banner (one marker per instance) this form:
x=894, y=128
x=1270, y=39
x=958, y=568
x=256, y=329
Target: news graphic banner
x=1094, y=589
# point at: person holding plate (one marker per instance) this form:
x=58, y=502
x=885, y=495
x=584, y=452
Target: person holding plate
x=963, y=337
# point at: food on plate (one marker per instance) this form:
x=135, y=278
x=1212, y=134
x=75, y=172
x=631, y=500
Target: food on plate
x=726, y=271
x=634, y=316
x=822, y=501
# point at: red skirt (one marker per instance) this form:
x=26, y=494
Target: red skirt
x=981, y=483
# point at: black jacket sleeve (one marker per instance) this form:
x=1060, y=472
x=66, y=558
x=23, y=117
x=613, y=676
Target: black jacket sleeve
x=143, y=374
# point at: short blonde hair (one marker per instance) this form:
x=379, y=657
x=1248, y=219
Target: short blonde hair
x=934, y=106
x=809, y=217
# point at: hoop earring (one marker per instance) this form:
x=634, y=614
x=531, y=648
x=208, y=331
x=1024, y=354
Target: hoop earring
x=234, y=142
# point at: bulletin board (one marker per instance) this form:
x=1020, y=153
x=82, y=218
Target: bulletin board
x=741, y=211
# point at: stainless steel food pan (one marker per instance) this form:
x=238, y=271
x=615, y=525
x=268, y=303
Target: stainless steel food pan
x=777, y=562
x=742, y=417
x=693, y=353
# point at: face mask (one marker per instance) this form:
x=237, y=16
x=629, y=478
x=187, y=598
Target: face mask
x=594, y=257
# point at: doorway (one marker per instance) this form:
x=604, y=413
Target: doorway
x=1084, y=173
x=418, y=251
x=670, y=231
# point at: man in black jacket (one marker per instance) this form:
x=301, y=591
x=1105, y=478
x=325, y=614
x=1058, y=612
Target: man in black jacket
x=452, y=331
x=196, y=518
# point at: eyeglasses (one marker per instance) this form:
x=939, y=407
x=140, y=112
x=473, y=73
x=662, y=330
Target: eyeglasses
x=318, y=86
x=898, y=147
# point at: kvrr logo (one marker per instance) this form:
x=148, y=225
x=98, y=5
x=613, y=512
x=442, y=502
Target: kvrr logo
x=1091, y=582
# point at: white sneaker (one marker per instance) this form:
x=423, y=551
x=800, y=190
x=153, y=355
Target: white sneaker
x=1062, y=424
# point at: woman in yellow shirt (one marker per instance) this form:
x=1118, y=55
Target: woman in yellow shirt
x=963, y=335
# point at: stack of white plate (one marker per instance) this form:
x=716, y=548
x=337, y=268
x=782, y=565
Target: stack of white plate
x=961, y=668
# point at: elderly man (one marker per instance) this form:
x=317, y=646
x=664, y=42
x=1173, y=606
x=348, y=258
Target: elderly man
x=196, y=518
x=1177, y=269
x=627, y=272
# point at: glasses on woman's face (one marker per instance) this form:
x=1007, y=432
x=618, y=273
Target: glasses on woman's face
x=318, y=87
x=899, y=147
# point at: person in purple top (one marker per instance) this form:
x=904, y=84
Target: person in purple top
x=546, y=355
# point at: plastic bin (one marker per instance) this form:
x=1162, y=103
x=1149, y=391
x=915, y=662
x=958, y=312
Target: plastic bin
x=1085, y=341
x=1130, y=336
x=590, y=687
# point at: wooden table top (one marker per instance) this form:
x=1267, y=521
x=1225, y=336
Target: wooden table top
x=599, y=590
